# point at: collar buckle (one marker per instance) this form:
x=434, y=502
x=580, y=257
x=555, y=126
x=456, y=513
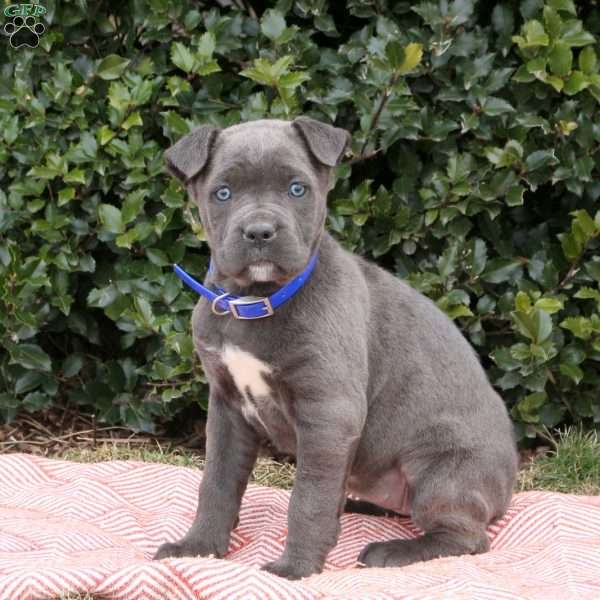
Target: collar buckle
x=263, y=304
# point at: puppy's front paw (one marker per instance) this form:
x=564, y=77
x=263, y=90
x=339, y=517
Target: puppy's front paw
x=291, y=569
x=189, y=547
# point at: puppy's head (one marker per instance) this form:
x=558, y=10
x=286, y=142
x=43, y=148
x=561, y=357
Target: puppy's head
x=261, y=188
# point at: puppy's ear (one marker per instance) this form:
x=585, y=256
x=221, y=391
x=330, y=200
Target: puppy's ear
x=189, y=155
x=327, y=143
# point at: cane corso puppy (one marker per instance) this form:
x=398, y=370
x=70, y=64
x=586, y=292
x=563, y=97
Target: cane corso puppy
x=364, y=380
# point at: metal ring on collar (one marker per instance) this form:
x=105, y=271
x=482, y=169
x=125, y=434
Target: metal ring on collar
x=214, y=305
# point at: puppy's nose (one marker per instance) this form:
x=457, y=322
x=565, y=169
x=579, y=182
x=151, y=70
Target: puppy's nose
x=259, y=233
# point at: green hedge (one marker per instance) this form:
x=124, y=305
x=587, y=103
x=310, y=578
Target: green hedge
x=474, y=174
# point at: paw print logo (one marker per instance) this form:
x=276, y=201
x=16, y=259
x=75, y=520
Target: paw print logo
x=24, y=31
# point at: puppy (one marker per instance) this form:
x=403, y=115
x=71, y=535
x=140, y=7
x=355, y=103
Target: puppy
x=334, y=360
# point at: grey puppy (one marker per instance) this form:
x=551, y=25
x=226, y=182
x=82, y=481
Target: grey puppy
x=363, y=379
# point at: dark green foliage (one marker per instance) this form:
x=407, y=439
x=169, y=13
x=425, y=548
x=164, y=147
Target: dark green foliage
x=474, y=174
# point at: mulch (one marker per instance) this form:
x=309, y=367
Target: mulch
x=53, y=433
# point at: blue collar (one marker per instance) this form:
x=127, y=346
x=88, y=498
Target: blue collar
x=247, y=307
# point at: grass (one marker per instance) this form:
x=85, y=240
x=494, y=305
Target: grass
x=267, y=471
x=573, y=466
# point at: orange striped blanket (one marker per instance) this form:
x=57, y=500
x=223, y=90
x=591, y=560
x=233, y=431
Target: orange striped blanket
x=68, y=528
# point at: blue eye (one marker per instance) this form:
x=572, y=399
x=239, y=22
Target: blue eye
x=296, y=190
x=223, y=193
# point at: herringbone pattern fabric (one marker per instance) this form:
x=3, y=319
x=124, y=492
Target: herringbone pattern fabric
x=67, y=527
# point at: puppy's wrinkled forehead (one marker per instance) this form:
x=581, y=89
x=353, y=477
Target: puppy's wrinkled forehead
x=304, y=144
x=272, y=149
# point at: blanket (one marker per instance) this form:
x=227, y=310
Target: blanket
x=92, y=528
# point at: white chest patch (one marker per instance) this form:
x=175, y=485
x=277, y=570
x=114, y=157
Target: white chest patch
x=247, y=373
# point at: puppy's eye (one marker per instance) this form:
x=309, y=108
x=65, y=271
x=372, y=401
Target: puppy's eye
x=296, y=190
x=223, y=193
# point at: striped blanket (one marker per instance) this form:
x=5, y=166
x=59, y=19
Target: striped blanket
x=77, y=528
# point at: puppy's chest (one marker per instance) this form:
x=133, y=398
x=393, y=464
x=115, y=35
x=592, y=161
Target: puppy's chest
x=262, y=402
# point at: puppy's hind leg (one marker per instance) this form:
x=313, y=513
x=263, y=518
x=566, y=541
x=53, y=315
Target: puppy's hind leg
x=453, y=509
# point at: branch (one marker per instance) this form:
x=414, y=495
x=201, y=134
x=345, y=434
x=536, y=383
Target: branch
x=573, y=268
x=384, y=99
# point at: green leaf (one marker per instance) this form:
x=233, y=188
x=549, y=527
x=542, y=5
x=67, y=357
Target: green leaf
x=567, y=127
x=588, y=60
x=576, y=82
x=549, y=305
x=514, y=196
x=110, y=217
x=552, y=22
x=535, y=325
x=66, y=195
x=499, y=270
x=560, y=59
x=572, y=354
x=578, y=38
x=35, y=401
x=534, y=35
x=588, y=293
x=102, y=297
x=292, y=80
x=207, y=68
x=394, y=52
x=543, y=325
x=447, y=262
x=579, y=326
x=272, y=24
x=132, y=206
x=144, y=309
x=262, y=71
x=563, y=5
x=72, y=365
x=459, y=310
x=503, y=19
x=29, y=356
x=540, y=158
x=556, y=82
x=29, y=381
x=111, y=67
x=182, y=57
x=522, y=302
x=133, y=120
x=504, y=359
x=477, y=256
x=176, y=124
x=118, y=97
x=11, y=130
x=280, y=66
x=585, y=222
x=157, y=257
x=206, y=45
x=572, y=371
x=572, y=248
x=75, y=176
x=529, y=407
x=496, y=106
x=413, y=53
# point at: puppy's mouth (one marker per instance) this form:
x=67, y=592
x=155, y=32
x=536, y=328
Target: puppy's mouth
x=263, y=271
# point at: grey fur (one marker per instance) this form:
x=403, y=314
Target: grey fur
x=189, y=155
x=370, y=385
